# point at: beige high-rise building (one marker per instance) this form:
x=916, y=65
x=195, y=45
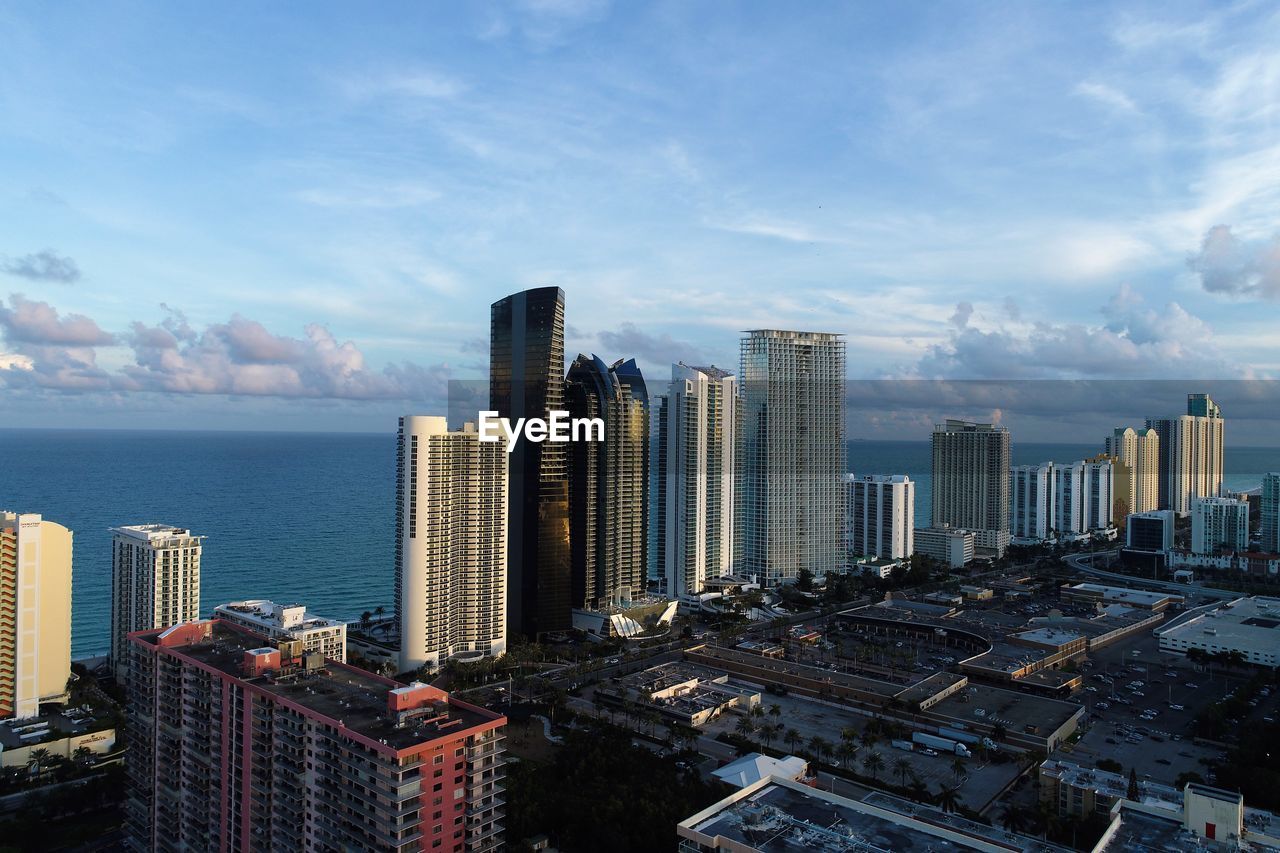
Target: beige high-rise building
x=451, y=543
x=35, y=613
x=155, y=583
x=1138, y=451
x=1191, y=454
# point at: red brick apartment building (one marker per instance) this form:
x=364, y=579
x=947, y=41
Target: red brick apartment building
x=240, y=744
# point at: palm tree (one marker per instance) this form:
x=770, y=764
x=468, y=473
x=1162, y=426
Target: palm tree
x=744, y=727
x=824, y=748
x=379, y=611
x=37, y=760
x=815, y=743
x=775, y=711
x=947, y=799
x=83, y=756
x=767, y=734
x=1013, y=818
x=999, y=732
x=903, y=768
x=848, y=734
x=873, y=764
x=844, y=752
x=958, y=770
x=917, y=791
x=869, y=737
x=793, y=737
x=365, y=618
x=756, y=712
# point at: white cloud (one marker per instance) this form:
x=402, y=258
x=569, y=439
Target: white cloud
x=1107, y=95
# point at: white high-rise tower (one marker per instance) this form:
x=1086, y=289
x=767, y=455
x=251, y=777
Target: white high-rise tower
x=1191, y=454
x=155, y=583
x=451, y=543
x=791, y=491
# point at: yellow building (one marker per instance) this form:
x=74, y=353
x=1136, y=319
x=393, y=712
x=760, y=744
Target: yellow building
x=35, y=613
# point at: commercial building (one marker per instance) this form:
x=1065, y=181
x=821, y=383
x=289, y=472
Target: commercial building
x=679, y=692
x=608, y=484
x=1191, y=454
x=971, y=481
x=697, y=427
x=526, y=380
x=1249, y=626
x=1031, y=503
x=1071, y=790
x=948, y=545
x=35, y=613
x=451, y=511
x=236, y=744
x=289, y=622
x=155, y=582
x=1269, y=513
x=792, y=462
x=1219, y=524
x=1150, y=531
x=881, y=519
x=752, y=767
x=1139, y=599
x=1138, y=451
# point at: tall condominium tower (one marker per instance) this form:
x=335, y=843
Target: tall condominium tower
x=791, y=464
x=881, y=518
x=526, y=379
x=1031, y=502
x=238, y=743
x=1138, y=486
x=35, y=613
x=697, y=441
x=609, y=484
x=451, y=543
x=1269, y=512
x=1219, y=523
x=155, y=583
x=971, y=480
x=1083, y=496
x=1191, y=451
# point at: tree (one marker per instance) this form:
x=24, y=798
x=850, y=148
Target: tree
x=917, y=791
x=775, y=711
x=1013, y=818
x=793, y=737
x=999, y=732
x=365, y=618
x=948, y=799
x=1132, y=793
x=869, y=738
x=804, y=580
x=873, y=764
x=37, y=760
x=958, y=770
x=83, y=756
x=844, y=752
x=767, y=734
x=744, y=727
x=824, y=748
x=902, y=767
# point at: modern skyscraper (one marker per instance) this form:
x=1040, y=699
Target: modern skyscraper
x=791, y=464
x=1150, y=531
x=1031, y=503
x=1083, y=497
x=1269, y=512
x=881, y=519
x=697, y=441
x=1139, y=452
x=609, y=484
x=451, y=547
x=1219, y=523
x=236, y=743
x=1191, y=453
x=971, y=480
x=35, y=613
x=155, y=583
x=526, y=379
x=288, y=622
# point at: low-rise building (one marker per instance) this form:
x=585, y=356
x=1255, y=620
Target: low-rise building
x=1092, y=593
x=1249, y=626
x=289, y=621
x=752, y=767
x=949, y=545
x=1150, y=531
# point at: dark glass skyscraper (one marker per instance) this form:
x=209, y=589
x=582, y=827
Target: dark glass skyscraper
x=609, y=483
x=526, y=380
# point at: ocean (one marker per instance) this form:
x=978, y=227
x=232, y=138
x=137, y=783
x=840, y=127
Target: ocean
x=304, y=517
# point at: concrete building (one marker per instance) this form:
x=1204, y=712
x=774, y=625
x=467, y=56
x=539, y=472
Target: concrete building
x=1150, y=531
x=608, y=484
x=971, y=481
x=35, y=613
x=1244, y=625
x=1191, y=454
x=289, y=622
x=1269, y=513
x=792, y=455
x=1031, y=503
x=526, y=380
x=1138, y=451
x=881, y=518
x=1219, y=524
x=697, y=443
x=1083, y=499
x=155, y=583
x=947, y=545
x=1139, y=599
x=237, y=744
x=451, y=549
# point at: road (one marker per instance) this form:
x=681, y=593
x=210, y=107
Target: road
x=1084, y=563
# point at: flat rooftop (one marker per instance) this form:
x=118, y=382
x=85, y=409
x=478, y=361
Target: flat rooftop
x=1245, y=623
x=149, y=532
x=1139, y=832
x=1123, y=595
x=1015, y=709
x=354, y=699
x=854, y=682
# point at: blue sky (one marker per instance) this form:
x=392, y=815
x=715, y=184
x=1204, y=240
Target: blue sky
x=296, y=216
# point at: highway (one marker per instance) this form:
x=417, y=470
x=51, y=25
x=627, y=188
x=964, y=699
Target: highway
x=1084, y=563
